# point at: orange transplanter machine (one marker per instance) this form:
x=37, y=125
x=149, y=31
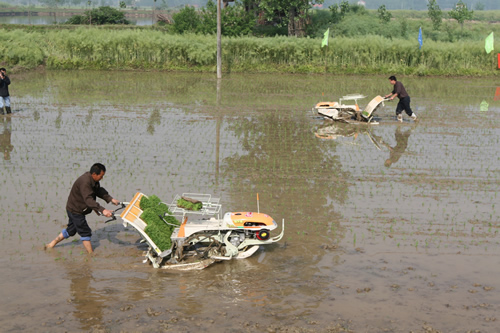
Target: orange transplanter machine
x=203, y=237
x=349, y=113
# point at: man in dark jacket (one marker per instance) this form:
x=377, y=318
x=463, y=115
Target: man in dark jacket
x=404, y=100
x=4, y=91
x=82, y=201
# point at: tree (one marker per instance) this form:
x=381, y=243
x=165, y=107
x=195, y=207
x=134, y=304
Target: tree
x=293, y=13
x=236, y=21
x=461, y=13
x=186, y=20
x=479, y=6
x=435, y=14
x=383, y=14
x=339, y=11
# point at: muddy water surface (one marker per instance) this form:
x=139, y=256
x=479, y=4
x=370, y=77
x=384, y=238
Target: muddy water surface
x=392, y=227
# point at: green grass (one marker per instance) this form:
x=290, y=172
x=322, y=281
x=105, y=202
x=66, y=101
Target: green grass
x=149, y=49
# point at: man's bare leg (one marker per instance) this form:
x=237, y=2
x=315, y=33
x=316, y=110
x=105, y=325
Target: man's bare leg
x=88, y=246
x=56, y=240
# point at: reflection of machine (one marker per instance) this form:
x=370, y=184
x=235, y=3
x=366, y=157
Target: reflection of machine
x=200, y=242
x=332, y=132
x=349, y=112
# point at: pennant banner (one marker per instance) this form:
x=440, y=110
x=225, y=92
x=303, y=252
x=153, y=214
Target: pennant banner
x=483, y=106
x=420, y=41
x=497, y=94
x=489, y=44
x=325, y=38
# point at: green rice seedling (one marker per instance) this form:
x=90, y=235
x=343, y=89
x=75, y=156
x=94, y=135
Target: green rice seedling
x=156, y=214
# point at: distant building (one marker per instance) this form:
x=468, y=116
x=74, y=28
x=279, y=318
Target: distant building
x=361, y=3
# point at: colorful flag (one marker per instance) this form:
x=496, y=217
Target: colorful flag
x=420, y=37
x=497, y=94
x=325, y=38
x=488, y=44
x=483, y=106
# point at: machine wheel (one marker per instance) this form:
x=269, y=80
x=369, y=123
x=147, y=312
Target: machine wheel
x=263, y=234
x=210, y=247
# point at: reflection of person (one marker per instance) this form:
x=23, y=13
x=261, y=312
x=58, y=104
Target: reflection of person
x=4, y=91
x=5, y=143
x=82, y=201
x=399, y=149
x=88, y=301
x=404, y=99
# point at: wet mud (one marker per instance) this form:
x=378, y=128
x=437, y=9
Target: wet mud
x=389, y=228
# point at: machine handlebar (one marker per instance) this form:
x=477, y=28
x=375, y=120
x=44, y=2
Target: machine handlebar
x=113, y=217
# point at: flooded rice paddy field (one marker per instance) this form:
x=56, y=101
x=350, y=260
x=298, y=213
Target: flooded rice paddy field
x=389, y=228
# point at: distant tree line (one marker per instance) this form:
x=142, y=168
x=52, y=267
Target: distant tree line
x=420, y=4
x=369, y=4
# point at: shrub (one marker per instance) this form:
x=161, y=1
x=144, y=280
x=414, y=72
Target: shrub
x=99, y=16
x=235, y=20
x=186, y=20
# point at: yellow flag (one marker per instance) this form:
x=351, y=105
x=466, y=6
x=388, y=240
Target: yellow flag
x=488, y=44
x=325, y=38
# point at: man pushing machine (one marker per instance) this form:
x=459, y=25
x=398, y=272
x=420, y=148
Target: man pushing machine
x=404, y=99
x=82, y=201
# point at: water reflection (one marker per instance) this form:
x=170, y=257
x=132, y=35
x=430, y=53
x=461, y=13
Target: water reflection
x=48, y=20
x=247, y=92
x=399, y=149
x=5, y=138
x=266, y=147
x=154, y=119
x=58, y=120
x=89, y=116
x=336, y=130
x=291, y=172
x=89, y=302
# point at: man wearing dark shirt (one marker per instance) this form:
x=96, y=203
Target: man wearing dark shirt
x=82, y=201
x=4, y=91
x=404, y=100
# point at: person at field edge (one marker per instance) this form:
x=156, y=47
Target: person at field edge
x=4, y=91
x=82, y=201
x=404, y=99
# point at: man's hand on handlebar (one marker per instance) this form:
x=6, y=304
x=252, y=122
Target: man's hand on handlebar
x=111, y=214
x=107, y=213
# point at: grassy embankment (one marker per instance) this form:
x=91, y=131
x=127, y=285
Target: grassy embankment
x=149, y=49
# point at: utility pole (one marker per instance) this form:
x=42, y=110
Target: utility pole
x=153, y=15
x=90, y=12
x=219, y=46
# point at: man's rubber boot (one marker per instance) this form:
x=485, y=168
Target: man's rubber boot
x=7, y=108
x=1, y=111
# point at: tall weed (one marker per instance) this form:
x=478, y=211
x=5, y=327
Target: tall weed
x=91, y=48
